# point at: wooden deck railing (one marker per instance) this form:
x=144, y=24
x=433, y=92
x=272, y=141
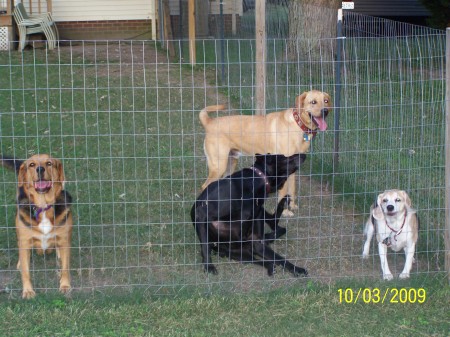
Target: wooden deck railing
x=6, y=13
x=32, y=6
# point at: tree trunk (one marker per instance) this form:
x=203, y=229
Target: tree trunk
x=311, y=25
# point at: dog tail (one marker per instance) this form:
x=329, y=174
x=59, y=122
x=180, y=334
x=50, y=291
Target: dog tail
x=10, y=163
x=204, y=117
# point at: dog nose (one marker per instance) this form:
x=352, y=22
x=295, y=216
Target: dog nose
x=40, y=171
x=390, y=208
x=324, y=112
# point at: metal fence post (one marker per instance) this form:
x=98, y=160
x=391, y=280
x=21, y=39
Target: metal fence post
x=447, y=155
x=222, y=44
x=338, y=85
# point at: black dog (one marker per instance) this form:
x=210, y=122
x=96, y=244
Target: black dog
x=229, y=216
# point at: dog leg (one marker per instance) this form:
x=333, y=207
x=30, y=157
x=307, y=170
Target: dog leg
x=269, y=256
x=64, y=255
x=382, y=251
x=217, y=162
x=273, y=219
x=288, y=189
x=205, y=248
x=409, y=254
x=368, y=231
x=244, y=255
x=231, y=165
x=24, y=266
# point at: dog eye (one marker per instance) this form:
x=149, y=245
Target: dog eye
x=385, y=200
x=49, y=163
x=314, y=102
x=398, y=200
x=32, y=165
x=326, y=101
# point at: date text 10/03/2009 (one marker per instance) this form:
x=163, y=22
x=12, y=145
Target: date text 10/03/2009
x=376, y=295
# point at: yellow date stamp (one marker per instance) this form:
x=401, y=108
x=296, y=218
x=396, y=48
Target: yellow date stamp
x=377, y=295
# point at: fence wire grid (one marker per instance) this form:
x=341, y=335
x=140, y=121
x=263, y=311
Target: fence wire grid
x=123, y=118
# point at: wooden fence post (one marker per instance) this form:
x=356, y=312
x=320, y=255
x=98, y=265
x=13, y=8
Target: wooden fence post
x=260, y=31
x=191, y=20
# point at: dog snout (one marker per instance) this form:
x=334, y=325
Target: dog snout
x=40, y=171
x=390, y=208
x=324, y=112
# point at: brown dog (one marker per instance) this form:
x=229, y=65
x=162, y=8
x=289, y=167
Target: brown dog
x=285, y=132
x=43, y=219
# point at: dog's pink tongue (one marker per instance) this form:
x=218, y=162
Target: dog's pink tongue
x=321, y=123
x=42, y=185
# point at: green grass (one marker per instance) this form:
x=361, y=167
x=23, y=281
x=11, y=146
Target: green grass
x=314, y=310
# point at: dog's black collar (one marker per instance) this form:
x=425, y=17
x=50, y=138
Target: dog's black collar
x=262, y=175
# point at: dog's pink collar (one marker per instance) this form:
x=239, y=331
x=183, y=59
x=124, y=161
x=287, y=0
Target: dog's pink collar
x=397, y=232
x=262, y=175
x=302, y=126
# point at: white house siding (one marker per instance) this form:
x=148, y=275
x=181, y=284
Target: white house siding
x=103, y=10
x=229, y=6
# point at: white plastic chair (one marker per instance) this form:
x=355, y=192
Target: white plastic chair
x=33, y=24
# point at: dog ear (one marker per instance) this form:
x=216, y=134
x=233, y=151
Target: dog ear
x=21, y=174
x=60, y=170
x=300, y=100
x=406, y=197
x=407, y=202
x=377, y=211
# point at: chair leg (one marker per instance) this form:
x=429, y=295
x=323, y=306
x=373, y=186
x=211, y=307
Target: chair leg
x=22, y=40
x=49, y=35
x=56, y=33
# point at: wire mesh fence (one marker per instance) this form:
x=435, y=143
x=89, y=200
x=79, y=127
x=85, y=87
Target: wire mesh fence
x=123, y=118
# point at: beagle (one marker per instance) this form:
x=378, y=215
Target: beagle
x=396, y=225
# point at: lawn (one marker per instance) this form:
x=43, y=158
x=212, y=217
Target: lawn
x=311, y=310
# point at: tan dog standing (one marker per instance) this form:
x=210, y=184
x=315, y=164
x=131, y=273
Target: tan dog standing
x=396, y=225
x=285, y=132
x=43, y=219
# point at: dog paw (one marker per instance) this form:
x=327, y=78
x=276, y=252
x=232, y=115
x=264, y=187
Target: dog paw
x=271, y=269
x=280, y=231
x=211, y=269
x=293, y=206
x=287, y=213
x=300, y=272
x=28, y=294
x=403, y=276
x=65, y=289
x=388, y=277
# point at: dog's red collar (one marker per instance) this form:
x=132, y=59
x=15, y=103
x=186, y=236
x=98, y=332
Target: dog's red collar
x=302, y=126
x=262, y=175
x=387, y=241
